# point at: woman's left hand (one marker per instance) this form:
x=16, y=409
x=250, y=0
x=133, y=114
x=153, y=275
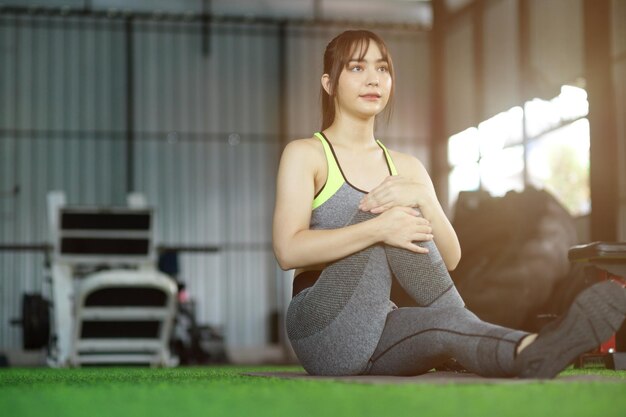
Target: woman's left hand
x=395, y=191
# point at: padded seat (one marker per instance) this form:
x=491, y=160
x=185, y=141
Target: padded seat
x=123, y=316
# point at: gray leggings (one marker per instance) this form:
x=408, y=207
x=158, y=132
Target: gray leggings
x=345, y=324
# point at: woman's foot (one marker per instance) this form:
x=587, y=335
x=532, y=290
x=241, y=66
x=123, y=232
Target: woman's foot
x=595, y=315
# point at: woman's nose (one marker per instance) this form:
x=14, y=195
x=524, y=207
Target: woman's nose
x=372, y=79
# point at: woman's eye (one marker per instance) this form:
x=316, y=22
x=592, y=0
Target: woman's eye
x=356, y=68
x=383, y=69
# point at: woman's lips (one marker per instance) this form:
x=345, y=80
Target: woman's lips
x=372, y=97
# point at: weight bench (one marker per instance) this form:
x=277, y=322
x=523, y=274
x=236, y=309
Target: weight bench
x=608, y=261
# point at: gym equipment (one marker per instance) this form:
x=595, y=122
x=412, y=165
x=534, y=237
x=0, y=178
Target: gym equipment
x=607, y=260
x=35, y=321
x=195, y=343
x=110, y=304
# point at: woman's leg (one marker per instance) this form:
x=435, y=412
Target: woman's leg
x=417, y=339
x=335, y=325
x=424, y=276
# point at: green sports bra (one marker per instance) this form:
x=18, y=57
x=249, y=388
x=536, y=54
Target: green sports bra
x=335, y=175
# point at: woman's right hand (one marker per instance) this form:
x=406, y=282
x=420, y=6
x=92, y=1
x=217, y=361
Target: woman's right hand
x=401, y=226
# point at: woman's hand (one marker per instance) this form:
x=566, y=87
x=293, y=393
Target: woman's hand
x=395, y=191
x=401, y=226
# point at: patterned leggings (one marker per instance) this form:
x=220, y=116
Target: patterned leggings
x=345, y=323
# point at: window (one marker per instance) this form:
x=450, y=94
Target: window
x=544, y=143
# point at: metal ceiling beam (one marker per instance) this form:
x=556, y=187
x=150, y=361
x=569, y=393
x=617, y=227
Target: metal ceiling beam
x=203, y=17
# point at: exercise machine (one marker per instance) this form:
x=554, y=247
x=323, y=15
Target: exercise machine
x=110, y=304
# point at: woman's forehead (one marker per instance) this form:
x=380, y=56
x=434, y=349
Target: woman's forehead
x=367, y=50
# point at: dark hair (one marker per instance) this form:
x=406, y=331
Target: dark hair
x=338, y=54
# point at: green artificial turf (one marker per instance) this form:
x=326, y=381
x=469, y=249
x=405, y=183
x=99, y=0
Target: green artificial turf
x=223, y=391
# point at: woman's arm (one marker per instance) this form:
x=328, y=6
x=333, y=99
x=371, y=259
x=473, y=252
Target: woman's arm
x=414, y=188
x=295, y=245
x=444, y=235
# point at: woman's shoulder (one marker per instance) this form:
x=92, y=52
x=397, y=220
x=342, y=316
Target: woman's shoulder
x=306, y=147
x=306, y=152
x=407, y=164
x=306, y=143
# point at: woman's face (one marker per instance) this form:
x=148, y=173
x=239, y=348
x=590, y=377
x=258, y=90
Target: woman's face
x=364, y=86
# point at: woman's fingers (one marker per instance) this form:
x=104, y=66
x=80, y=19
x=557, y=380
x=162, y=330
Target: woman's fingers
x=379, y=196
x=380, y=209
x=419, y=237
x=393, y=191
x=422, y=237
x=411, y=211
x=417, y=248
x=406, y=228
x=421, y=233
x=371, y=201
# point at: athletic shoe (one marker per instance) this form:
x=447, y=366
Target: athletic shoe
x=596, y=314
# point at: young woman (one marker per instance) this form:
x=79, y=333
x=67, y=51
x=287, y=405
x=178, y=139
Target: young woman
x=349, y=213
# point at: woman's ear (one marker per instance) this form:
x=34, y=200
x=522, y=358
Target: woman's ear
x=326, y=83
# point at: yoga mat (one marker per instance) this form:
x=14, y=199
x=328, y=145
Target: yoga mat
x=432, y=378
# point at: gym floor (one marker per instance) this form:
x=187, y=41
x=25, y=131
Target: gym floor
x=229, y=390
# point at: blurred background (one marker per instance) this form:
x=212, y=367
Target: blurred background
x=191, y=102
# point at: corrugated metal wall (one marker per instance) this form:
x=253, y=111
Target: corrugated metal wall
x=205, y=158
x=61, y=86
x=205, y=119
